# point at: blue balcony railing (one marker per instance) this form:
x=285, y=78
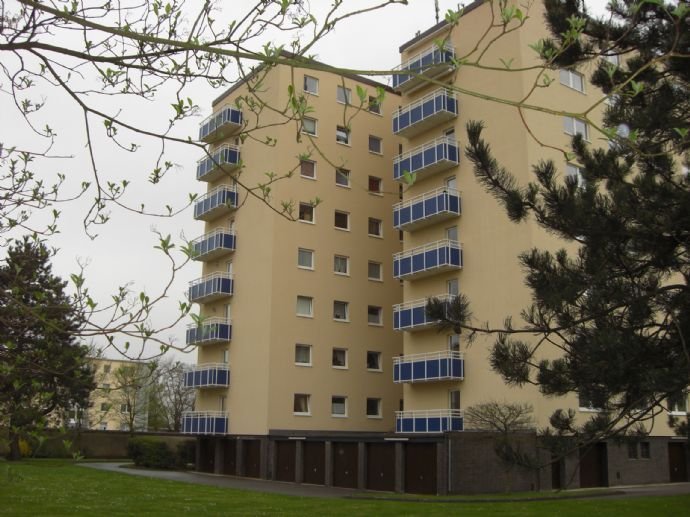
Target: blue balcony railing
x=429, y=421
x=432, y=109
x=412, y=315
x=427, y=208
x=430, y=63
x=428, y=159
x=207, y=376
x=223, y=124
x=218, y=201
x=204, y=422
x=223, y=160
x=211, y=287
x=432, y=366
x=213, y=244
x=443, y=255
x=210, y=332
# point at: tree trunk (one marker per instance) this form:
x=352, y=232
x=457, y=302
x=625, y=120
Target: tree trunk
x=15, y=453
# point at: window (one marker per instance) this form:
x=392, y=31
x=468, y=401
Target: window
x=341, y=265
x=454, y=399
x=373, y=408
x=307, y=169
x=586, y=404
x=574, y=126
x=374, y=106
x=342, y=135
x=341, y=311
x=105, y=386
x=374, y=271
x=454, y=342
x=453, y=287
x=613, y=59
x=632, y=451
x=343, y=95
x=374, y=315
x=338, y=405
x=342, y=220
x=226, y=356
x=573, y=80
x=221, y=402
x=678, y=403
x=452, y=233
x=375, y=185
x=645, y=451
x=375, y=227
x=306, y=212
x=342, y=177
x=106, y=368
x=374, y=361
x=104, y=426
x=104, y=406
x=375, y=144
x=339, y=359
x=305, y=258
x=305, y=306
x=303, y=355
x=124, y=408
x=574, y=173
x=309, y=126
x=451, y=182
x=311, y=84
x=302, y=404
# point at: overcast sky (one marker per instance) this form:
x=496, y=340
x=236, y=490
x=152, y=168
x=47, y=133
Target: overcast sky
x=123, y=252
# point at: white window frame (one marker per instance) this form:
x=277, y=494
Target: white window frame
x=313, y=213
x=452, y=402
x=305, y=85
x=345, y=355
x=453, y=286
x=316, y=126
x=378, y=139
x=373, y=101
x=307, y=398
x=308, y=348
x=454, y=342
x=347, y=214
x=343, y=135
x=343, y=95
x=379, y=405
x=344, y=405
x=379, y=360
x=313, y=163
x=380, y=277
x=574, y=170
x=341, y=304
x=305, y=252
x=378, y=323
x=379, y=191
x=343, y=174
x=574, y=126
x=305, y=299
x=569, y=78
x=346, y=259
x=379, y=223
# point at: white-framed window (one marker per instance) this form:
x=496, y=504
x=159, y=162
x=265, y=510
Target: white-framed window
x=343, y=95
x=573, y=80
x=374, y=106
x=305, y=306
x=105, y=386
x=678, y=404
x=302, y=355
x=105, y=406
x=341, y=310
x=307, y=169
x=305, y=258
x=339, y=358
x=451, y=182
x=614, y=59
x=454, y=399
x=309, y=126
x=124, y=408
x=301, y=404
x=452, y=233
x=339, y=406
x=373, y=408
x=106, y=368
x=103, y=426
x=342, y=135
x=221, y=402
x=574, y=172
x=375, y=227
x=342, y=177
x=375, y=144
x=306, y=212
x=374, y=360
x=454, y=342
x=374, y=315
x=586, y=404
x=341, y=220
x=225, y=358
x=574, y=126
x=453, y=287
x=374, y=271
x=341, y=265
x=311, y=85
x=375, y=185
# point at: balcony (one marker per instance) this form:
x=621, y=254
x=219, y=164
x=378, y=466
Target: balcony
x=223, y=160
x=428, y=64
x=429, y=208
x=429, y=421
x=211, y=287
x=412, y=315
x=214, y=244
x=432, y=109
x=219, y=201
x=211, y=332
x=207, y=376
x=223, y=124
x=204, y=422
x=433, y=366
x=431, y=158
x=436, y=257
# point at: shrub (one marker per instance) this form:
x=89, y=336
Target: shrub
x=24, y=448
x=150, y=452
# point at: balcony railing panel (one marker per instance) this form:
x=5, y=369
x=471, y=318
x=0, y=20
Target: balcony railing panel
x=204, y=422
x=435, y=108
x=443, y=255
x=434, y=366
x=429, y=421
x=214, y=244
x=207, y=376
x=210, y=332
x=223, y=160
x=218, y=201
x=211, y=287
x=429, y=63
x=412, y=315
x=438, y=155
x=223, y=124
x=428, y=208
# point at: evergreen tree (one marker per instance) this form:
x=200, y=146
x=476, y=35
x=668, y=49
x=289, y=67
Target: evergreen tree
x=42, y=368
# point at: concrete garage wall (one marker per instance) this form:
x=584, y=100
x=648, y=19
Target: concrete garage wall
x=626, y=471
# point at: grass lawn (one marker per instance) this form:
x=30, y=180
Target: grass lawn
x=54, y=487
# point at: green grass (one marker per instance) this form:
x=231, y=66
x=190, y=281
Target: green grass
x=54, y=487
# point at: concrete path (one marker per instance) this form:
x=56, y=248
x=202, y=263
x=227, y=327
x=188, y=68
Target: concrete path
x=302, y=490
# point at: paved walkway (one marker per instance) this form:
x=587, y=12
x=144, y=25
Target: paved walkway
x=302, y=490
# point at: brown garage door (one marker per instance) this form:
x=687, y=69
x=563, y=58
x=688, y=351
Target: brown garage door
x=251, y=454
x=314, y=462
x=381, y=466
x=345, y=464
x=206, y=454
x=677, y=462
x=420, y=468
x=230, y=457
x=593, y=470
x=285, y=460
